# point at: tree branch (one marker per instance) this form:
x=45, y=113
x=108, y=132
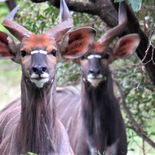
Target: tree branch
x=39, y=1
x=78, y=6
x=103, y=8
x=134, y=27
x=136, y=127
x=11, y=4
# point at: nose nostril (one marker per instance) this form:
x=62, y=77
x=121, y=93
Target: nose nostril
x=91, y=71
x=44, y=69
x=95, y=71
x=34, y=69
x=39, y=69
x=98, y=72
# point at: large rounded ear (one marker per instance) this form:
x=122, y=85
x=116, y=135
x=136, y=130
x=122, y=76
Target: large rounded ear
x=5, y=49
x=126, y=45
x=77, y=42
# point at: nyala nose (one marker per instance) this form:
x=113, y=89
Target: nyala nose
x=39, y=69
x=95, y=71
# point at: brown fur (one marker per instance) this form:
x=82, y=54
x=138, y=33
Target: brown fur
x=96, y=124
x=98, y=47
x=38, y=41
x=78, y=42
x=31, y=123
x=33, y=126
x=4, y=51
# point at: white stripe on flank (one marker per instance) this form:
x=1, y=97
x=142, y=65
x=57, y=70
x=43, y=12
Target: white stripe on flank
x=94, y=56
x=39, y=51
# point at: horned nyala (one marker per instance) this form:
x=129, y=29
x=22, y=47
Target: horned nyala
x=33, y=125
x=96, y=125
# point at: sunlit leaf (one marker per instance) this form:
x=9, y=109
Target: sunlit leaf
x=136, y=4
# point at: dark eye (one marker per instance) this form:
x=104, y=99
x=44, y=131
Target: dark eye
x=106, y=56
x=54, y=52
x=23, y=53
x=83, y=57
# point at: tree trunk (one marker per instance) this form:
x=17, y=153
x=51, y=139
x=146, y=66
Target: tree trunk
x=11, y=4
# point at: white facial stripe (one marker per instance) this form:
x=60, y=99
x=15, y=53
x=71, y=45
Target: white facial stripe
x=94, y=82
x=40, y=83
x=94, y=56
x=91, y=76
x=33, y=75
x=39, y=51
x=44, y=75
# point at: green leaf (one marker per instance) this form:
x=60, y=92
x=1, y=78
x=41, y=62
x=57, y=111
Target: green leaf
x=30, y=153
x=116, y=1
x=136, y=4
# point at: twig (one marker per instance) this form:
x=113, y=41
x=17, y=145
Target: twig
x=136, y=127
x=146, y=53
x=11, y=4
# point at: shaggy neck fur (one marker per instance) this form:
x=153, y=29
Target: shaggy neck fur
x=99, y=113
x=37, y=120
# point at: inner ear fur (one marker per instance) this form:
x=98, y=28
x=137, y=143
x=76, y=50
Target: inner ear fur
x=76, y=42
x=5, y=49
x=126, y=45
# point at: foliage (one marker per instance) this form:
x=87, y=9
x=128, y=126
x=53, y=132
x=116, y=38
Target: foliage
x=30, y=153
x=136, y=4
x=3, y=11
x=68, y=73
x=140, y=97
x=45, y=15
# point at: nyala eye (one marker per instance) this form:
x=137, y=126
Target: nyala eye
x=54, y=52
x=23, y=53
x=106, y=56
x=83, y=57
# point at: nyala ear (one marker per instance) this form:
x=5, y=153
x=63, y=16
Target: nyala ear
x=76, y=42
x=5, y=49
x=126, y=45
